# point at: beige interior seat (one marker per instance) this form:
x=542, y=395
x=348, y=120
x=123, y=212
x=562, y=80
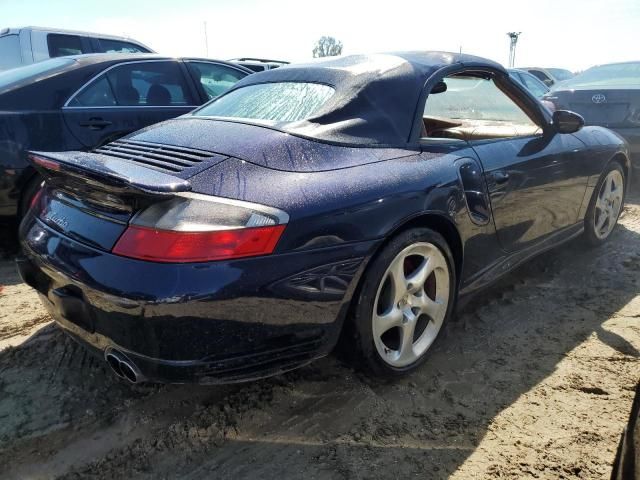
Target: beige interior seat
x=437, y=127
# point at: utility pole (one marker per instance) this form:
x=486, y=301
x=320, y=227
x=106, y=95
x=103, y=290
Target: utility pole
x=206, y=40
x=513, y=36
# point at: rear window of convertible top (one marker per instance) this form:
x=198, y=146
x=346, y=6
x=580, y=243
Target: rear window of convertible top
x=278, y=102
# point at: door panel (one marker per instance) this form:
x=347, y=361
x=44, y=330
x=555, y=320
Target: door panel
x=533, y=178
x=467, y=203
x=126, y=98
x=96, y=126
x=535, y=186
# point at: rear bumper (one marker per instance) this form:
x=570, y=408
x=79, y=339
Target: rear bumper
x=214, y=322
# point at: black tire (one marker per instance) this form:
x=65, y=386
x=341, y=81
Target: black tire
x=28, y=192
x=590, y=235
x=360, y=334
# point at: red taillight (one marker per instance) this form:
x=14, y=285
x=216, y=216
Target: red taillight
x=36, y=198
x=45, y=162
x=180, y=247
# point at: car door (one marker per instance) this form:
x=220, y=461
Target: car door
x=212, y=79
x=127, y=97
x=533, y=178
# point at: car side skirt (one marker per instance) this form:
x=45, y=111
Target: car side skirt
x=509, y=262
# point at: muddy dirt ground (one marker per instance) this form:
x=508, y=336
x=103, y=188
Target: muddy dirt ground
x=534, y=379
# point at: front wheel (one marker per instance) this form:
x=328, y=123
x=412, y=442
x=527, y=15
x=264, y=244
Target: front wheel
x=406, y=297
x=605, y=206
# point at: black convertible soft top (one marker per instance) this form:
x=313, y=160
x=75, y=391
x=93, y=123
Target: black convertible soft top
x=376, y=95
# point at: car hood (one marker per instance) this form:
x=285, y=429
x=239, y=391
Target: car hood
x=261, y=145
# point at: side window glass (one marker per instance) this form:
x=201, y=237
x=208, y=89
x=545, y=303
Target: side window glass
x=98, y=94
x=10, y=48
x=539, y=75
x=149, y=84
x=516, y=76
x=141, y=84
x=118, y=46
x=215, y=79
x=473, y=108
x=61, y=45
x=534, y=86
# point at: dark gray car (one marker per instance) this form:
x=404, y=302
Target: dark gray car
x=608, y=96
x=84, y=101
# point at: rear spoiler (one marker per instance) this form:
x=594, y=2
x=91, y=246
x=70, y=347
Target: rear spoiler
x=101, y=170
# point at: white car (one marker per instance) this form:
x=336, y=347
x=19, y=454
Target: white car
x=22, y=46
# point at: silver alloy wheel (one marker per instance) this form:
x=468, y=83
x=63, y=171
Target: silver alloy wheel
x=411, y=304
x=608, y=204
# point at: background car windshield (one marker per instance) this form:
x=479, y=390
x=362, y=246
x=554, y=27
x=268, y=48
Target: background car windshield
x=560, y=73
x=276, y=102
x=32, y=72
x=614, y=75
x=534, y=85
x=215, y=78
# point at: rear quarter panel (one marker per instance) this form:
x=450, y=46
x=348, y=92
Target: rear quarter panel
x=361, y=203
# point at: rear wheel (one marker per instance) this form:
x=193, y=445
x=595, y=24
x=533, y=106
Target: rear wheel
x=605, y=206
x=405, y=299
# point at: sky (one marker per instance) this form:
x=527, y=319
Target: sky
x=573, y=34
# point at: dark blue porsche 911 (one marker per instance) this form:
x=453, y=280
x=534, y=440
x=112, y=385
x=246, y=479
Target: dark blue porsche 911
x=358, y=196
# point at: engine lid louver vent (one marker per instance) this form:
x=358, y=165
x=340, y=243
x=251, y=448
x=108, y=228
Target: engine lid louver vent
x=165, y=158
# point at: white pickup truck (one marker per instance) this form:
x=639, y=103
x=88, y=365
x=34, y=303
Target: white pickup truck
x=22, y=46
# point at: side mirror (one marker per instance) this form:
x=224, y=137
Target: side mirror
x=565, y=121
x=439, y=87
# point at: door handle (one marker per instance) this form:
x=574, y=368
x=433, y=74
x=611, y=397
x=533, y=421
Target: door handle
x=500, y=177
x=96, y=123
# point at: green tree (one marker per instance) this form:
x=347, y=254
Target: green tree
x=327, y=47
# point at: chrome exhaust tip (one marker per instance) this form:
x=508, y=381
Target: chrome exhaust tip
x=122, y=367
